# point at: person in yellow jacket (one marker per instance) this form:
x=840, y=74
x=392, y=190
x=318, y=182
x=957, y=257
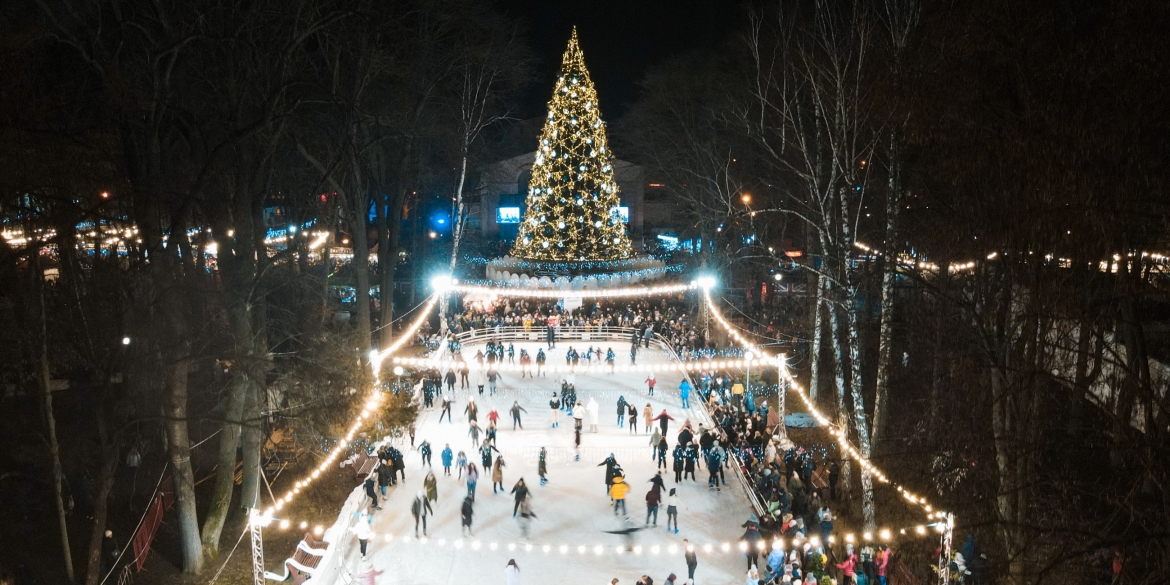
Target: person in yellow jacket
x=617, y=492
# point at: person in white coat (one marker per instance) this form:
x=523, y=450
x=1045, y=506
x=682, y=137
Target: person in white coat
x=593, y=409
x=361, y=529
x=512, y=573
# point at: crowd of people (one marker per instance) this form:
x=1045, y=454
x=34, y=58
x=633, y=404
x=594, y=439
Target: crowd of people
x=783, y=483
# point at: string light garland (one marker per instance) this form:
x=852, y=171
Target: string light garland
x=839, y=434
x=369, y=407
x=663, y=289
x=572, y=198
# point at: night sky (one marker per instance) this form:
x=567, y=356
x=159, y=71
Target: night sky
x=622, y=40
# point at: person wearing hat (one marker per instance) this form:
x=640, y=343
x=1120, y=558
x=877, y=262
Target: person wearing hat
x=555, y=405
x=617, y=492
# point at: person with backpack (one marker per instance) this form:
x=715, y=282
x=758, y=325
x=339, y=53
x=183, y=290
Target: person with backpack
x=420, y=508
x=540, y=359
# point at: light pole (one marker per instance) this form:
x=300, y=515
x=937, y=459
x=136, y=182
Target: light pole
x=782, y=392
x=748, y=356
x=398, y=372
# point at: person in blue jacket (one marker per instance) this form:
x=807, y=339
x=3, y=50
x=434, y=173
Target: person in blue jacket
x=446, y=456
x=684, y=392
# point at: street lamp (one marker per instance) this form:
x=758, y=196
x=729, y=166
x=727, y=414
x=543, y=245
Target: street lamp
x=748, y=356
x=398, y=372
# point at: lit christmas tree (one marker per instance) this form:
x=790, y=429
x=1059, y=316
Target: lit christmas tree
x=572, y=198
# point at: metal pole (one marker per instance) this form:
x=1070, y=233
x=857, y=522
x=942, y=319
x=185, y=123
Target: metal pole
x=257, y=548
x=944, y=568
x=782, y=395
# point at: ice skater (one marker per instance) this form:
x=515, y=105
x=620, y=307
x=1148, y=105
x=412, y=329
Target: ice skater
x=472, y=479
x=542, y=466
x=650, y=382
x=592, y=409
x=466, y=512
x=419, y=509
x=516, y=410
x=519, y=494
x=498, y=474
x=555, y=405
x=672, y=504
x=576, y=438
x=446, y=409
x=525, y=519
x=446, y=458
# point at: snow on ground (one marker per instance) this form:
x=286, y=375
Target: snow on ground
x=573, y=510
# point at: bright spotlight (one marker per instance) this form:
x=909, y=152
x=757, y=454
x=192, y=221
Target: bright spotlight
x=707, y=282
x=398, y=371
x=125, y=341
x=442, y=282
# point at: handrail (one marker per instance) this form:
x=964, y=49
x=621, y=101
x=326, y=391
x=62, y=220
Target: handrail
x=538, y=333
x=738, y=468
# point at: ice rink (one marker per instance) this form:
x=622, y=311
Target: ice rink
x=568, y=542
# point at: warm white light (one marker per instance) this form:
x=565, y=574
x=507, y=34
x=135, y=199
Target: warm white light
x=398, y=371
x=125, y=341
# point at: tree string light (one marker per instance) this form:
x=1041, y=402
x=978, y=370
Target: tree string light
x=573, y=198
x=840, y=435
x=664, y=289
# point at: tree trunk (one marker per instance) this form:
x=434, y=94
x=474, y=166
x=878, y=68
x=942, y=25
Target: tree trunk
x=225, y=476
x=390, y=240
x=253, y=434
x=842, y=413
x=179, y=447
x=101, y=507
x=359, y=210
x=814, y=382
x=885, y=344
x=51, y=421
x=859, y=420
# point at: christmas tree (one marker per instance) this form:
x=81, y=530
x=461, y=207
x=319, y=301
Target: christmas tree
x=573, y=199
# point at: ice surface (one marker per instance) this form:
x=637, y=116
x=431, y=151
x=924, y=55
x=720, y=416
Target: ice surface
x=573, y=510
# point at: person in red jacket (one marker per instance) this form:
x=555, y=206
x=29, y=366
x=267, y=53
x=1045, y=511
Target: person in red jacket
x=650, y=382
x=883, y=563
x=849, y=567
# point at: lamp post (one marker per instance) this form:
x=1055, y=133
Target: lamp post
x=398, y=372
x=748, y=356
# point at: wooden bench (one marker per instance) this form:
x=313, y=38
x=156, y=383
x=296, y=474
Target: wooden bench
x=303, y=563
